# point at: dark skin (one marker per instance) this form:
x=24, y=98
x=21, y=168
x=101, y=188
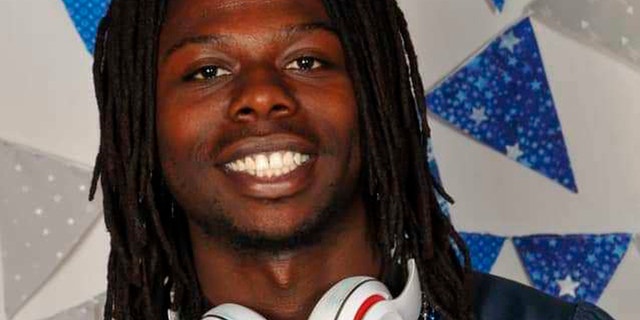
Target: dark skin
x=240, y=77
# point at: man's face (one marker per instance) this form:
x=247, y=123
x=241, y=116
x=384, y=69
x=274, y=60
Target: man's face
x=256, y=116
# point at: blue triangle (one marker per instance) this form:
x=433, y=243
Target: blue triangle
x=583, y=263
x=86, y=15
x=502, y=98
x=499, y=4
x=484, y=249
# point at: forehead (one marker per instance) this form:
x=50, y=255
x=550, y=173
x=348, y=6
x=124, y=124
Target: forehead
x=242, y=17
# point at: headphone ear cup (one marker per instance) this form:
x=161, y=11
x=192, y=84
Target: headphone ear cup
x=349, y=298
x=230, y=311
x=384, y=310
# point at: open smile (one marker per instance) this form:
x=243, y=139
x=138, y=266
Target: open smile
x=269, y=167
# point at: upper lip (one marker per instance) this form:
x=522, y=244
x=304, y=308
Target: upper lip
x=264, y=144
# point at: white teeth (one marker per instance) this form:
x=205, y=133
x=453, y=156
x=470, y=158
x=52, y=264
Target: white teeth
x=262, y=163
x=251, y=165
x=297, y=158
x=275, y=160
x=287, y=159
x=240, y=165
x=269, y=165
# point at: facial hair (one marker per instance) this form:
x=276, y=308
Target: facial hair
x=324, y=221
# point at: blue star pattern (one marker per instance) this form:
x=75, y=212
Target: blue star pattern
x=86, y=15
x=499, y=4
x=572, y=267
x=502, y=98
x=484, y=249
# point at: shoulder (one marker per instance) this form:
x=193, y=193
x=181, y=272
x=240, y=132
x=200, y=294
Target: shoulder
x=497, y=298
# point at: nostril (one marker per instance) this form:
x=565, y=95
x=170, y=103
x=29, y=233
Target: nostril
x=279, y=108
x=245, y=111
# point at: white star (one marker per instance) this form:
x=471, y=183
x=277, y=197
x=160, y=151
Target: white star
x=18, y=168
x=567, y=286
x=584, y=24
x=478, y=115
x=51, y=178
x=514, y=152
x=630, y=10
x=509, y=41
x=624, y=40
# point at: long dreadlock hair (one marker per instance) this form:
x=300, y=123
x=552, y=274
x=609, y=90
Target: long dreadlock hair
x=150, y=269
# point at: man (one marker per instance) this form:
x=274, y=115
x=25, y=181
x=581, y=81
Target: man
x=259, y=151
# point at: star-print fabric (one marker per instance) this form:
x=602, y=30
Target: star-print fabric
x=502, y=98
x=484, y=249
x=44, y=212
x=90, y=310
x=609, y=25
x=86, y=15
x=572, y=267
x=498, y=4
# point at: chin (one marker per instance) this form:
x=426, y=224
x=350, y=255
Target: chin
x=278, y=228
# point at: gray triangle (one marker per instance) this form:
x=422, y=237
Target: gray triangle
x=44, y=213
x=89, y=310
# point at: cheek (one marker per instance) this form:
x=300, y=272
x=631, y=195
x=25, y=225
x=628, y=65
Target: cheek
x=181, y=126
x=333, y=106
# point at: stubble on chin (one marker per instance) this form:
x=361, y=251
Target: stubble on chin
x=324, y=221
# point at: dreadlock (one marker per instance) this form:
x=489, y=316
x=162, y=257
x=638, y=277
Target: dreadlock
x=150, y=269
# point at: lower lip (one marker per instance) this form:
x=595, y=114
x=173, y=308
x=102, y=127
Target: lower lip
x=282, y=186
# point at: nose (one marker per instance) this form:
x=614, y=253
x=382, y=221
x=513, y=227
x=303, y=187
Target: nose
x=261, y=94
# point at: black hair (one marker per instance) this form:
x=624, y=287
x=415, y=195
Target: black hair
x=150, y=271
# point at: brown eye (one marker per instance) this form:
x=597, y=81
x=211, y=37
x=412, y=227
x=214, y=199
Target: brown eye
x=207, y=73
x=304, y=64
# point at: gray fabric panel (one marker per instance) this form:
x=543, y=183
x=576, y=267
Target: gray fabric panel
x=90, y=310
x=44, y=212
x=610, y=25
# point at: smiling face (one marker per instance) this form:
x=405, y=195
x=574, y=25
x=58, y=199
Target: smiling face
x=256, y=117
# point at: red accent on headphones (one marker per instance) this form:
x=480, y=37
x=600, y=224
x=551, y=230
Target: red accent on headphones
x=366, y=305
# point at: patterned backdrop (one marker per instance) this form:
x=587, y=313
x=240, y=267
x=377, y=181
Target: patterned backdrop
x=500, y=96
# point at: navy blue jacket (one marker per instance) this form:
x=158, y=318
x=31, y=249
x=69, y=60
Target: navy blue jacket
x=496, y=298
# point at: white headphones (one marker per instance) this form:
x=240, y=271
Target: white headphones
x=355, y=298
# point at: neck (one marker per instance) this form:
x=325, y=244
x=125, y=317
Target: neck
x=285, y=286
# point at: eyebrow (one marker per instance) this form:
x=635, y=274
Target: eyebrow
x=287, y=32
x=296, y=29
x=201, y=39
